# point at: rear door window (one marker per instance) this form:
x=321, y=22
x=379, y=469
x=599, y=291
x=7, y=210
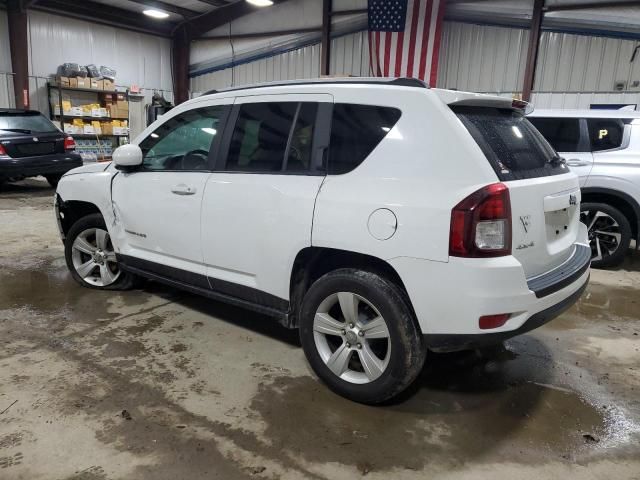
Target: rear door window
x=273, y=137
x=512, y=145
x=355, y=131
x=562, y=133
x=605, y=134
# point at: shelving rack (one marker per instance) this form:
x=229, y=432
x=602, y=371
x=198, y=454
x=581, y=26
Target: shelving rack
x=65, y=118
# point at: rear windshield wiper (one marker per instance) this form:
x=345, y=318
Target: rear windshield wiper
x=17, y=130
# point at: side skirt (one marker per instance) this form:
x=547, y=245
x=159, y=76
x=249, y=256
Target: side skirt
x=199, y=284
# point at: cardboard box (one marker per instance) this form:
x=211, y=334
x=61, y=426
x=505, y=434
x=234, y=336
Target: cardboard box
x=93, y=83
x=108, y=85
x=63, y=81
x=76, y=111
x=88, y=129
x=121, y=97
x=99, y=112
x=107, y=129
x=73, y=82
x=83, y=82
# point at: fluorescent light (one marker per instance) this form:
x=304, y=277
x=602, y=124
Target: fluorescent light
x=152, y=12
x=261, y=3
x=210, y=131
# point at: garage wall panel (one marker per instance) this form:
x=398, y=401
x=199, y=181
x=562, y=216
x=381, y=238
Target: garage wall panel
x=6, y=80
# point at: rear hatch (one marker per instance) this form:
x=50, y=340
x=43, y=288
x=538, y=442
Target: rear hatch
x=544, y=195
x=29, y=134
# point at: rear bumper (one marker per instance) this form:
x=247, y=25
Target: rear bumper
x=55, y=164
x=450, y=297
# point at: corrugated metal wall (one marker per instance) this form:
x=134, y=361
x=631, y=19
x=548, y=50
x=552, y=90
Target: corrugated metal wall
x=349, y=56
x=482, y=58
x=6, y=81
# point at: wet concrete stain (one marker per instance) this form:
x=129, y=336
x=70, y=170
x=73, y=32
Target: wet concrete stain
x=467, y=406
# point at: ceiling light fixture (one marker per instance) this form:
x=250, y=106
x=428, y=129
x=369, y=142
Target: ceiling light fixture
x=261, y=3
x=153, y=13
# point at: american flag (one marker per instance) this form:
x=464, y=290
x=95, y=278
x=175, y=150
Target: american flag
x=404, y=38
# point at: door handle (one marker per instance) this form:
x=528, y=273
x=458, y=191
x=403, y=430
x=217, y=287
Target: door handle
x=183, y=189
x=574, y=162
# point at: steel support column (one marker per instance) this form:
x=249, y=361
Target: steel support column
x=532, y=51
x=18, y=45
x=325, y=48
x=180, y=45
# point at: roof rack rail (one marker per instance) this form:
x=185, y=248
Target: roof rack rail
x=400, y=82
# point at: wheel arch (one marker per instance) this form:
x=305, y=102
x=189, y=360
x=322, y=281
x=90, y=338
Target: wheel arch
x=313, y=262
x=69, y=212
x=619, y=200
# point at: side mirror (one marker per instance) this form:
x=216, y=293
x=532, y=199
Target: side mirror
x=127, y=157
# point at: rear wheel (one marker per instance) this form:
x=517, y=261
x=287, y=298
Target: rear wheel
x=609, y=233
x=91, y=257
x=53, y=180
x=360, y=336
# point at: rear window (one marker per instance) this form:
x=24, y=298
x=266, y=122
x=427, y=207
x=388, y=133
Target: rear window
x=513, y=146
x=355, y=131
x=25, y=123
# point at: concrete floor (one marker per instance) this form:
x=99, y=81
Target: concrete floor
x=212, y=391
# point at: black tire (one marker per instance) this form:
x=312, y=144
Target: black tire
x=53, y=180
x=408, y=350
x=125, y=280
x=616, y=257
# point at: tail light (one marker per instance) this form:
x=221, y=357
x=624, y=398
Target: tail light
x=3, y=152
x=481, y=224
x=69, y=144
x=488, y=322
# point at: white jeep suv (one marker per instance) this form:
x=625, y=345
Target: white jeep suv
x=603, y=148
x=380, y=217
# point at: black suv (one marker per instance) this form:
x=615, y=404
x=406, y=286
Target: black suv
x=31, y=145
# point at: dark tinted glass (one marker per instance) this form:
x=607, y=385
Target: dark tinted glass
x=183, y=142
x=355, y=131
x=300, y=151
x=25, y=123
x=605, y=134
x=514, y=148
x=260, y=137
x=562, y=133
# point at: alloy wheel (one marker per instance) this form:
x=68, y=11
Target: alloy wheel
x=94, y=258
x=352, y=338
x=604, y=233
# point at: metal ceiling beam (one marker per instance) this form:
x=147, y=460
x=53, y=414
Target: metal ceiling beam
x=167, y=7
x=106, y=15
x=220, y=16
x=215, y=3
x=587, y=5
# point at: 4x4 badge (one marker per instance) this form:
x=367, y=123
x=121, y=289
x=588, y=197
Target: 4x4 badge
x=573, y=200
x=526, y=222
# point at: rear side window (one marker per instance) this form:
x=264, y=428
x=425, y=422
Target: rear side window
x=605, y=134
x=562, y=133
x=513, y=146
x=355, y=131
x=273, y=137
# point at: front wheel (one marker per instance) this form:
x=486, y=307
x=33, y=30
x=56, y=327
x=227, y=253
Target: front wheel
x=91, y=258
x=360, y=336
x=609, y=233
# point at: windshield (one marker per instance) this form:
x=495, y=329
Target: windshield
x=25, y=123
x=513, y=146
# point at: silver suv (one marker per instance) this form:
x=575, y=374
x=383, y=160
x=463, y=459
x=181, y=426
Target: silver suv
x=603, y=148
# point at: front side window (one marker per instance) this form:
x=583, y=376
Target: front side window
x=605, y=134
x=562, y=133
x=355, y=131
x=183, y=142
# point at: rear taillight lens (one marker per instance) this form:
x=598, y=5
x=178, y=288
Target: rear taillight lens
x=481, y=224
x=3, y=152
x=488, y=322
x=69, y=144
